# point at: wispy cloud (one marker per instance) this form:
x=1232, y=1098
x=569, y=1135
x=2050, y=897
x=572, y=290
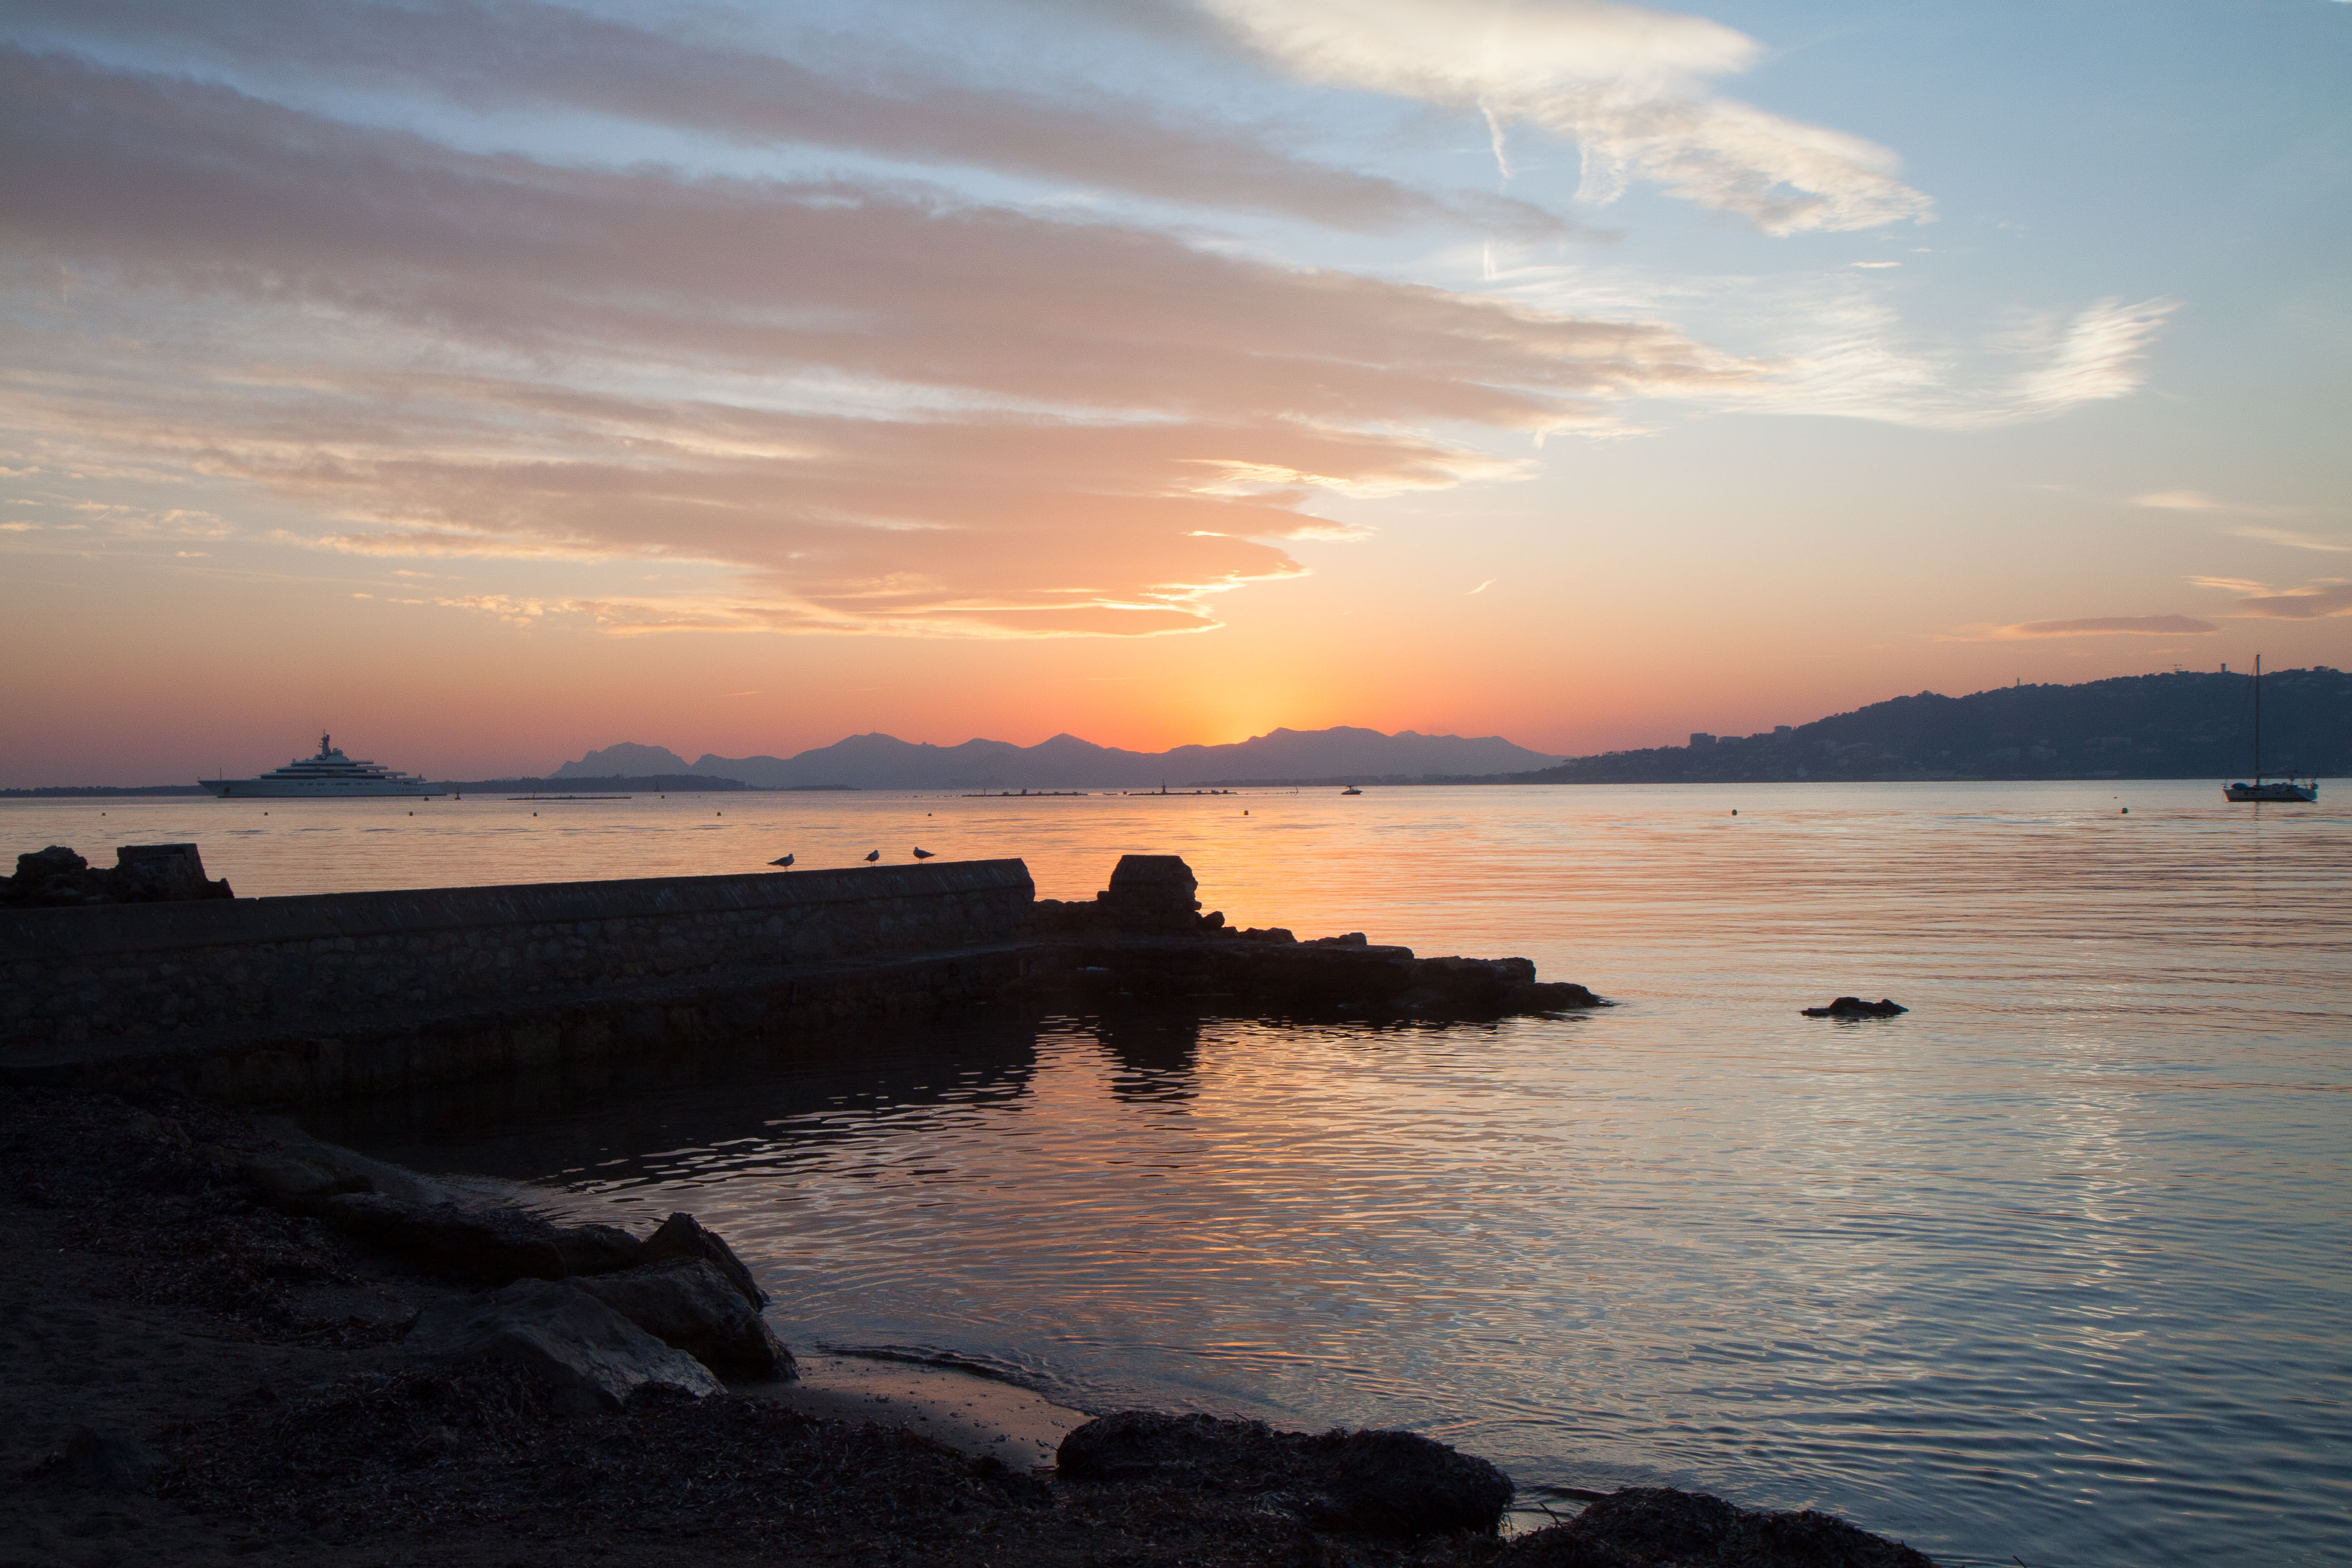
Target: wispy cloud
x=2197, y=501
x=1835, y=345
x=2314, y=601
x=510, y=55
x=2295, y=539
x=1630, y=86
x=1034, y=423
x=2317, y=602
x=2101, y=354
x=2182, y=500
x=2087, y=626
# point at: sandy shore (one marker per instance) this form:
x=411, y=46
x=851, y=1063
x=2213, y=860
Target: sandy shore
x=977, y=1416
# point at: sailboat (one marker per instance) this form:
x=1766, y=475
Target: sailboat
x=2284, y=791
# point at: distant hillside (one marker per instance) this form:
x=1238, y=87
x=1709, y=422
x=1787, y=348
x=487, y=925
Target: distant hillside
x=627, y=759
x=884, y=762
x=2146, y=726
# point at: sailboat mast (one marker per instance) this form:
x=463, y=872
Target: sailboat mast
x=2258, y=719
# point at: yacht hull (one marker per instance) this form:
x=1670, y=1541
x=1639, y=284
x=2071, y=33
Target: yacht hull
x=265, y=789
x=329, y=775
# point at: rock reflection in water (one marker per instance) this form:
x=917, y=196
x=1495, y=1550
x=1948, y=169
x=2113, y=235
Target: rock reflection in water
x=1156, y=1056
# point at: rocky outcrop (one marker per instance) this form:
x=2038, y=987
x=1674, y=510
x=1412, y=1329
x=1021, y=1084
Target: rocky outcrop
x=1345, y=975
x=688, y=1304
x=1855, y=1008
x=1152, y=893
x=57, y=878
x=1385, y=1483
x=1141, y=940
x=590, y=1357
x=1658, y=1527
x=682, y=1236
x=395, y=1211
x=487, y=1246
x=683, y=1285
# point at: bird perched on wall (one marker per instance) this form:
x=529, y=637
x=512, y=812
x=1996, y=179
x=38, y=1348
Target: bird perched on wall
x=872, y=856
x=785, y=861
x=922, y=854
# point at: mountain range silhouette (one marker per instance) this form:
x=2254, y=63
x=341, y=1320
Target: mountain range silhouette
x=1066, y=761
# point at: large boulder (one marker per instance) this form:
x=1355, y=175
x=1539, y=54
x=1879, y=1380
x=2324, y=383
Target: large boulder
x=689, y=1305
x=57, y=878
x=1386, y=1483
x=51, y=879
x=492, y=1245
x=300, y=1174
x=682, y=1236
x=1658, y=1527
x=163, y=873
x=1152, y=893
x=589, y=1356
x=1400, y=1483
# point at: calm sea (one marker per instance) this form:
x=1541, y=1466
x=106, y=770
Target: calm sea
x=2059, y=1265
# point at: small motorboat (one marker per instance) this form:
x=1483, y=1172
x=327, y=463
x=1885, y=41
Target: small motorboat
x=1352, y=789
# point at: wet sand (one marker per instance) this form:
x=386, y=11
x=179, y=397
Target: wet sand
x=977, y=1416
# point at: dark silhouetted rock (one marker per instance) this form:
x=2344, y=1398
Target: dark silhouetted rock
x=1141, y=1444
x=301, y=1173
x=687, y=1304
x=682, y=1236
x=1657, y=1527
x=597, y=1249
x=1388, y=1483
x=1400, y=1483
x=293, y=1181
x=163, y=873
x=1855, y=1008
x=492, y=1245
x=590, y=1357
x=57, y=878
x=1152, y=893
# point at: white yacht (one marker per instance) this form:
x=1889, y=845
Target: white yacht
x=329, y=775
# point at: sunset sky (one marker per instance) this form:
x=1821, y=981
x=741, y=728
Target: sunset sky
x=487, y=382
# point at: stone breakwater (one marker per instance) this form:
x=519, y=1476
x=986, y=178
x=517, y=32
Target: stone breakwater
x=259, y=1001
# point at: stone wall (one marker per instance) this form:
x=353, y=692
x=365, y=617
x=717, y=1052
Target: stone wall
x=148, y=973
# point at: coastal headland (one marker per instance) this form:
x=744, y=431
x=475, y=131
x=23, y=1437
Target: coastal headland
x=228, y=1341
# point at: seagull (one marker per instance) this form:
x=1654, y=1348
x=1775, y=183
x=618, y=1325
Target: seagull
x=922, y=854
x=785, y=861
x=872, y=856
